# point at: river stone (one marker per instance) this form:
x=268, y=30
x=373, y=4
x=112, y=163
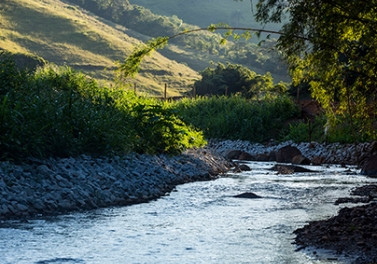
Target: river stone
x=244, y=167
x=22, y=207
x=289, y=169
x=286, y=154
x=4, y=210
x=247, y=195
x=38, y=205
x=370, y=167
x=318, y=160
x=301, y=160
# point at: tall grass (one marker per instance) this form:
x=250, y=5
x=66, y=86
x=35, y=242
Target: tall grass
x=238, y=118
x=59, y=112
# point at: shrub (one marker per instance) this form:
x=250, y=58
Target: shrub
x=236, y=117
x=59, y=112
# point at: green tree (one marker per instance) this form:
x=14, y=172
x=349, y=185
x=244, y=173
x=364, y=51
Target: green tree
x=332, y=45
x=233, y=79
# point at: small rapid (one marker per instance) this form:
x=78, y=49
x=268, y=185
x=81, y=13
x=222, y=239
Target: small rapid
x=199, y=222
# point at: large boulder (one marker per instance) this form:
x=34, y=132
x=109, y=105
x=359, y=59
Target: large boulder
x=290, y=169
x=370, y=167
x=286, y=154
x=233, y=154
x=262, y=157
x=239, y=155
x=300, y=160
x=318, y=160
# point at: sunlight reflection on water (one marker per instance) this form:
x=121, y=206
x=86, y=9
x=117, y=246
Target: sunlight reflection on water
x=199, y=223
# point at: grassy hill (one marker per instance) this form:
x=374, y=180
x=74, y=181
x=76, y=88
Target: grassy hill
x=66, y=34
x=196, y=50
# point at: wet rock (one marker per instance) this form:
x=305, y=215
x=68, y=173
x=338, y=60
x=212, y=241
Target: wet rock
x=247, y=195
x=243, y=167
x=239, y=155
x=350, y=232
x=370, y=167
x=365, y=199
x=246, y=156
x=289, y=169
x=233, y=154
x=318, y=160
x=262, y=157
x=283, y=169
x=366, y=190
x=286, y=154
x=300, y=160
x=272, y=156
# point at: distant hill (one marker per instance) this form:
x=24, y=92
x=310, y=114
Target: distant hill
x=92, y=35
x=66, y=34
x=206, y=12
x=203, y=13
x=196, y=50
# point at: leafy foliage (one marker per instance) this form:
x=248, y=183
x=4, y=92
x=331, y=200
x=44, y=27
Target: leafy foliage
x=236, y=117
x=237, y=79
x=59, y=112
x=332, y=45
x=131, y=65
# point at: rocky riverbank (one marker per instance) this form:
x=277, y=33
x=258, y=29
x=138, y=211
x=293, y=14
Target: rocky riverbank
x=52, y=186
x=334, y=153
x=354, y=230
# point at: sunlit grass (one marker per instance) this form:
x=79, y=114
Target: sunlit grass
x=66, y=34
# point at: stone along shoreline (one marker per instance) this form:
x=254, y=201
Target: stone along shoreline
x=53, y=186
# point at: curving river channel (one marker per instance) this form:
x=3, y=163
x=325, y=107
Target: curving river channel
x=199, y=222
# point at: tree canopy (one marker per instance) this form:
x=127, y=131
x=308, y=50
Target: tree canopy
x=331, y=44
x=232, y=79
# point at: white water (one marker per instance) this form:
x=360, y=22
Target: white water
x=198, y=223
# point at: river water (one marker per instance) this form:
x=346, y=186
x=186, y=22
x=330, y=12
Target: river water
x=199, y=222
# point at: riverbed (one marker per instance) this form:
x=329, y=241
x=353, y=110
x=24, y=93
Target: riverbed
x=199, y=222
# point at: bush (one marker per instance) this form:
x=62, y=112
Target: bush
x=59, y=112
x=236, y=117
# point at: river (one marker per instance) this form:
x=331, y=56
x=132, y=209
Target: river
x=198, y=222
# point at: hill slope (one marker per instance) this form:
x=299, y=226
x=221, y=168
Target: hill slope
x=206, y=12
x=66, y=34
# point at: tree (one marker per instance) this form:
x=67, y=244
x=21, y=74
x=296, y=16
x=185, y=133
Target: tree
x=332, y=44
x=233, y=79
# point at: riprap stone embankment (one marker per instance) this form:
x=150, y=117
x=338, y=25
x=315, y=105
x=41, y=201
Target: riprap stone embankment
x=52, y=186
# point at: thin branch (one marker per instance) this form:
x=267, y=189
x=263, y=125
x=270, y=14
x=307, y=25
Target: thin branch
x=214, y=28
x=132, y=63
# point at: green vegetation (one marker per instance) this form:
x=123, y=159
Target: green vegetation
x=58, y=112
x=236, y=117
x=206, y=12
x=236, y=79
x=331, y=45
x=195, y=49
x=66, y=34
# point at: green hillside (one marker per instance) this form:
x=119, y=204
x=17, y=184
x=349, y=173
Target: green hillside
x=68, y=35
x=196, y=50
x=206, y=12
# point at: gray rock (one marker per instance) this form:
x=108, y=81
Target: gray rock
x=248, y=195
x=370, y=167
x=286, y=154
x=22, y=207
x=4, y=210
